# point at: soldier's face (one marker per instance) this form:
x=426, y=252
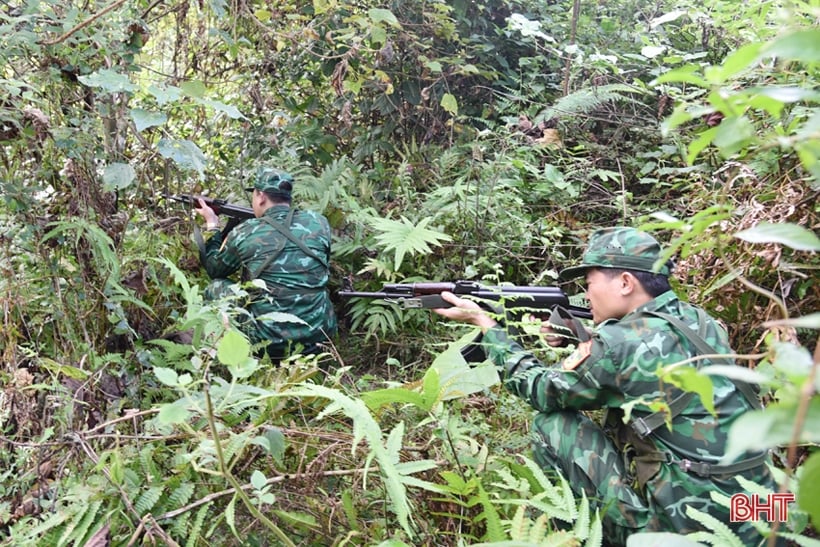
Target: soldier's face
x=604, y=295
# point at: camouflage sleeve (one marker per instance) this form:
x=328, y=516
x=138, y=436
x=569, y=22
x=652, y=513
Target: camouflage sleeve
x=554, y=386
x=221, y=261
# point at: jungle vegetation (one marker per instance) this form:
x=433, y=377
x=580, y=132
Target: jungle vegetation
x=480, y=140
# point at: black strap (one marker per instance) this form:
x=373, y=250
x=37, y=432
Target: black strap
x=706, y=469
x=646, y=425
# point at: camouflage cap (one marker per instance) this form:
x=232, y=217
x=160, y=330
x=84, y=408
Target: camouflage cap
x=273, y=181
x=621, y=248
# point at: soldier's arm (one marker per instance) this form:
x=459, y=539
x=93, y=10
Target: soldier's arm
x=221, y=257
x=549, y=386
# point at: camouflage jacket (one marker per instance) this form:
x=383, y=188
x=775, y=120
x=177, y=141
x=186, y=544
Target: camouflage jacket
x=297, y=283
x=619, y=365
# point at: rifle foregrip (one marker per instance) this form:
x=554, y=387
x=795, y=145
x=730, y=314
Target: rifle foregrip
x=431, y=301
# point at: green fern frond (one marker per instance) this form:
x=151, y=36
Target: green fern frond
x=581, y=528
x=196, y=527
x=148, y=499
x=489, y=514
x=404, y=237
x=181, y=495
x=539, y=529
x=587, y=100
x=721, y=534
x=93, y=520
x=596, y=533
x=520, y=525
x=365, y=427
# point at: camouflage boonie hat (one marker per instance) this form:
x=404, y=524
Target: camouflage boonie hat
x=620, y=248
x=273, y=181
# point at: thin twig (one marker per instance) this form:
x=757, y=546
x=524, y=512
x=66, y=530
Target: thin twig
x=82, y=25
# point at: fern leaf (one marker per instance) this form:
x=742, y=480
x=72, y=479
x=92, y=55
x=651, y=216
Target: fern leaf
x=581, y=528
x=78, y=517
x=495, y=531
x=90, y=519
x=403, y=237
x=230, y=515
x=520, y=525
x=193, y=535
x=148, y=499
x=722, y=534
x=181, y=495
x=539, y=529
x=596, y=533
x=365, y=427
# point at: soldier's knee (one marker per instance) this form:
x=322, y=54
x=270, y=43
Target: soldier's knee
x=218, y=288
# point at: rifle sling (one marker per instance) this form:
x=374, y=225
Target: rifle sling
x=646, y=425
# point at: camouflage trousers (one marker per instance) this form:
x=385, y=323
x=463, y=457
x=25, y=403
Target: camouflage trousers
x=588, y=458
x=220, y=288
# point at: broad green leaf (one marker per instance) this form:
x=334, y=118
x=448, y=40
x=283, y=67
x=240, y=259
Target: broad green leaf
x=230, y=110
x=67, y=370
x=174, y=413
x=660, y=539
x=736, y=62
x=686, y=74
x=185, y=154
x=689, y=378
x=233, y=348
x=403, y=237
x=788, y=234
x=165, y=94
x=109, y=80
x=381, y=397
x=734, y=372
x=803, y=45
x=449, y=103
x=380, y=15
x=280, y=317
x=258, y=479
x=276, y=442
x=430, y=389
x=193, y=88
x=457, y=378
x=378, y=36
x=167, y=376
x=297, y=518
x=667, y=18
x=733, y=134
x=699, y=144
x=143, y=119
x=118, y=176
x=763, y=429
x=808, y=495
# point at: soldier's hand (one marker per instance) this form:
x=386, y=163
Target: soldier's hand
x=207, y=213
x=465, y=311
x=551, y=336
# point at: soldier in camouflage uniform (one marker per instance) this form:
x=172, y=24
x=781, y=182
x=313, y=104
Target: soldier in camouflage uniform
x=642, y=474
x=289, y=250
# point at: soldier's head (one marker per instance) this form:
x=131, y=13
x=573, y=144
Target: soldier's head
x=624, y=269
x=270, y=187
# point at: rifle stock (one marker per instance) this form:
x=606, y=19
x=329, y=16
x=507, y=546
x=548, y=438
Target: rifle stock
x=428, y=295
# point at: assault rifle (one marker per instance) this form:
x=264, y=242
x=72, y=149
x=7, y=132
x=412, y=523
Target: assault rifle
x=220, y=206
x=428, y=295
